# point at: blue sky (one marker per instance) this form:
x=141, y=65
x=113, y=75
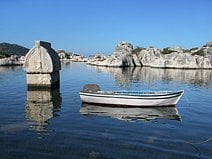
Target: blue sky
x=90, y=26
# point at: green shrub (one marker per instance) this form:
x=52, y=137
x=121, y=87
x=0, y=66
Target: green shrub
x=167, y=51
x=199, y=52
x=195, y=48
x=3, y=55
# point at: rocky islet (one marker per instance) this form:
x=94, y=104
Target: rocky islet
x=125, y=56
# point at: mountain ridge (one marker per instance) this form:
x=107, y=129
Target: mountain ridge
x=7, y=49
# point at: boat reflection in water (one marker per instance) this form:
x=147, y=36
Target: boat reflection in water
x=41, y=106
x=131, y=113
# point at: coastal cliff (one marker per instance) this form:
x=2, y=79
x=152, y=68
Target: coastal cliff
x=122, y=57
x=177, y=57
x=126, y=56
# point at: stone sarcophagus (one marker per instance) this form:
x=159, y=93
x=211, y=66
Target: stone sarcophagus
x=42, y=65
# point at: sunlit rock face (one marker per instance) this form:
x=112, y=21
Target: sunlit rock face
x=10, y=61
x=209, y=44
x=175, y=60
x=122, y=57
x=123, y=48
x=177, y=57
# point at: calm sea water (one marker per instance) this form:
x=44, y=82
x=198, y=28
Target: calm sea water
x=43, y=124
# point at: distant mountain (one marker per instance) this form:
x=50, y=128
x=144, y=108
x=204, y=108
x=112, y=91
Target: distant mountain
x=7, y=49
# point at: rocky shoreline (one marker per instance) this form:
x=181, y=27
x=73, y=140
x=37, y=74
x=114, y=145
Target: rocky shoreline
x=12, y=60
x=127, y=56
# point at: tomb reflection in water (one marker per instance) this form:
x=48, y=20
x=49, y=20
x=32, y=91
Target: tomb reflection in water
x=41, y=106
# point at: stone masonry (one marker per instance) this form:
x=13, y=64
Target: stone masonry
x=42, y=66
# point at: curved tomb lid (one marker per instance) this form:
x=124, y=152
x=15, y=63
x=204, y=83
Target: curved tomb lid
x=42, y=59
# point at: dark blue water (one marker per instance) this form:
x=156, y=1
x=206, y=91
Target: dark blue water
x=44, y=124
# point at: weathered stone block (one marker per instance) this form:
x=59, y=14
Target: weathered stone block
x=42, y=66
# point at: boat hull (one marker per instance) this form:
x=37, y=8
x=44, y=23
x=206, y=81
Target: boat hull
x=144, y=100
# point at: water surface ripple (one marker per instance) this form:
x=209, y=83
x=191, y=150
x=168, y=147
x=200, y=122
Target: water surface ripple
x=55, y=124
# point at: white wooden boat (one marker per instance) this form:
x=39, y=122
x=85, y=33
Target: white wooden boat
x=93, y=95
